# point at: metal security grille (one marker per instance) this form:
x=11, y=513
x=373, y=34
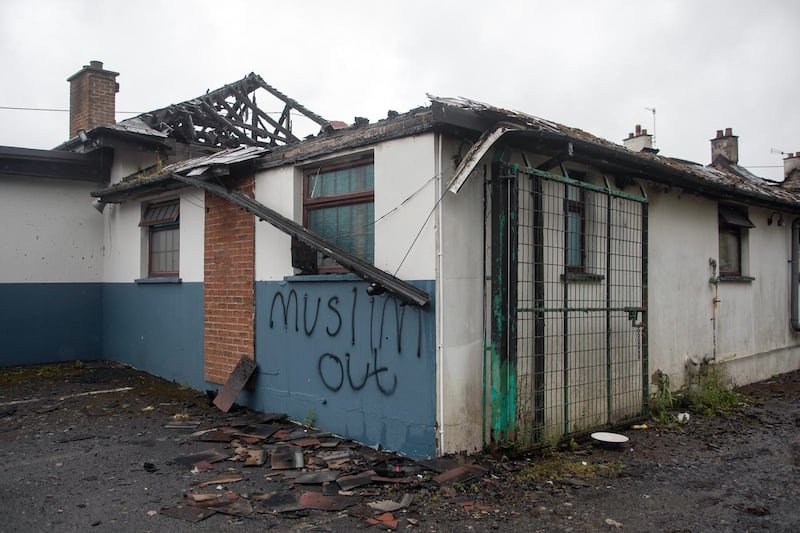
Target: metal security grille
x=576, y=304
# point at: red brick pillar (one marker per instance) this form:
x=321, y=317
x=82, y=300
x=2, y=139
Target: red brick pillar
x=229, y=282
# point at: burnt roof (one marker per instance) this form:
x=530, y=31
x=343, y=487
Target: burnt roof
x=469, y=118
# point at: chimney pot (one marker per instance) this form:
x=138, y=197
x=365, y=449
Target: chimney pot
x=639, y=141
x=96, y=65
x=725, y=146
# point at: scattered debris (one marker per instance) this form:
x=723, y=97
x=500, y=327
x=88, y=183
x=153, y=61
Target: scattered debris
x=282, y=502
x=236, y=382
x=316, y=478
x=386, y=519
x=224, y=478
x=613, y=523
x=287, y=457
x=390, y=506
x=355, y=480
x=201, y=497
x=202, y=466
x=210, y=456
x=315, y=500
x=187, y=512
x=459, y=474
x=182, y=424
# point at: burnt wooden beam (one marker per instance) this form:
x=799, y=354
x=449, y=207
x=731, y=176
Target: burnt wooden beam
x=380, y=280
x=289, y=101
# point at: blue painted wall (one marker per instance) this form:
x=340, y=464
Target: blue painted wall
x=49, y=322
x=362, y=367
x=157, y=328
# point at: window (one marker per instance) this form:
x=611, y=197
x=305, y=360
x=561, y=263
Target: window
x=733, y=226
x=162, y=221
x=575, y=229
x=338, y=205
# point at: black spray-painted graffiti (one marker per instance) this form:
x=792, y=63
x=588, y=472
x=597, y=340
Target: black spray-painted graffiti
x=334, y=369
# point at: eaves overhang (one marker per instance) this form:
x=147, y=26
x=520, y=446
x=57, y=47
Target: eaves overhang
x=93, y=167
x=511, y=128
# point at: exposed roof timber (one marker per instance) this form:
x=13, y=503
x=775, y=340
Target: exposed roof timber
x=476, y=153
x=94, y=167
x=229, y=116
x=405, y=292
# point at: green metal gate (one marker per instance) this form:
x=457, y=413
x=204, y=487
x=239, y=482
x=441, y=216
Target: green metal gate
x=568, y=305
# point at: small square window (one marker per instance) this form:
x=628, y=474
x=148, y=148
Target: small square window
x=162, y=221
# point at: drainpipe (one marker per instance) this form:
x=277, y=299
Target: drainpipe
x=795, y=278
x=714, y=280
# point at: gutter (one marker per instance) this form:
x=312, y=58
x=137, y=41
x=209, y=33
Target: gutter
x=380, y=281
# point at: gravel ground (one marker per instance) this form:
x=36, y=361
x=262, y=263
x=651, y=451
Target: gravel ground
x=74, y=461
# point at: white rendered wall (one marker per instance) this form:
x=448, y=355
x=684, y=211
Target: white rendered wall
x=753, y=337
x=277, y=189
x=193, y=219
x=460, y=309
x=404, y=167
x=683, y=235
x=50, y=232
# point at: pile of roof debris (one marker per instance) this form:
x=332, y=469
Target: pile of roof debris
x=302, y=469
x=299, y=469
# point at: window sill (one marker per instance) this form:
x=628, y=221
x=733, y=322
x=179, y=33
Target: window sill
x=156, y=281
x=322, y=277
x=745, y=279
x=581, y=276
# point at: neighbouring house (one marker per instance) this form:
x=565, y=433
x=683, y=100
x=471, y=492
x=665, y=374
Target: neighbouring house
x=442, y=279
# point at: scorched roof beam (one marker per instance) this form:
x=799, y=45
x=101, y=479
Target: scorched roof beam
x=405, y=292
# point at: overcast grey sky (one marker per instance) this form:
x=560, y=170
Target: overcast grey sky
x=594, y=65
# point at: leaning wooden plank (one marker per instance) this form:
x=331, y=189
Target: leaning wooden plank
x=236, y=381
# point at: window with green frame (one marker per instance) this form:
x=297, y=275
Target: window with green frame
x=338, y=205
x=162, y=221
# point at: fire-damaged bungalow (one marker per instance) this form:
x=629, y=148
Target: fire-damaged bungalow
x=436, y=281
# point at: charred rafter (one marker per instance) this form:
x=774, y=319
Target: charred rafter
x=229, y=117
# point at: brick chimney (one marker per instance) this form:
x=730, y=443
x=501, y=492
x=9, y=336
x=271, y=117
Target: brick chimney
x=92, y=97
x=725, y=145
x=640, y=141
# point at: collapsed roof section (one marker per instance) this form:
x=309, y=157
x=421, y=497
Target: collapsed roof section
x=224, y=118
x=229, y=117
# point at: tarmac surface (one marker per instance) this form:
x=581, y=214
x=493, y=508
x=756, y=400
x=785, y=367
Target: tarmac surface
x=103, y=447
